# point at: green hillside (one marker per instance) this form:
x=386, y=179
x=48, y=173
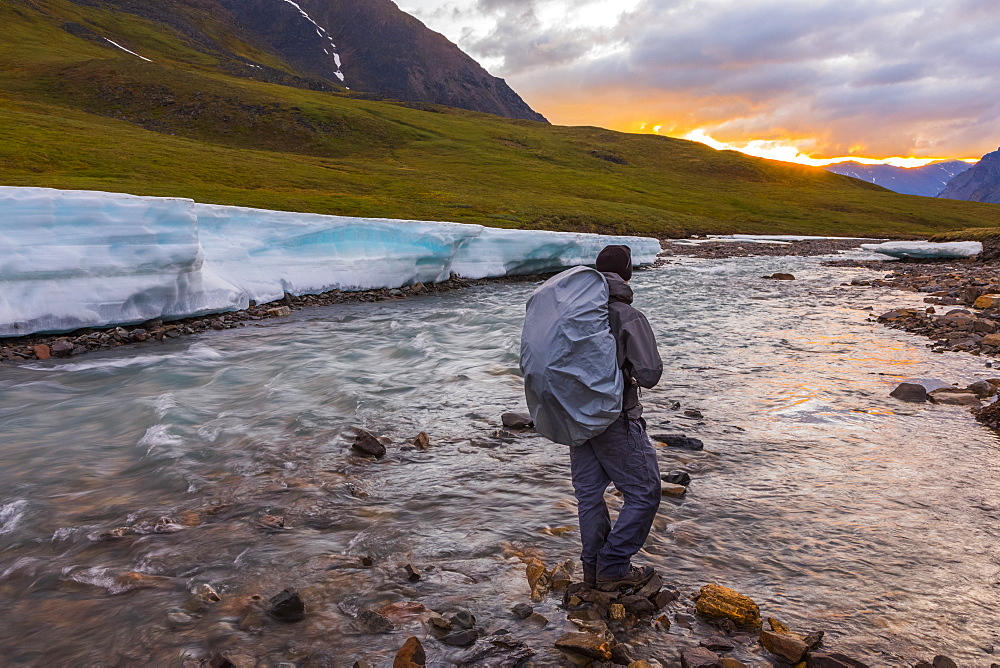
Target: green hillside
x=76, y=112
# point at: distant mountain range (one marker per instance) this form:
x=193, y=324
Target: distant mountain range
x=979, y=184
x=370, y=46
x=927, y=181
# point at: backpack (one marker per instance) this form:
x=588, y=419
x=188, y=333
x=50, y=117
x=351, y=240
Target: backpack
x=572, y=382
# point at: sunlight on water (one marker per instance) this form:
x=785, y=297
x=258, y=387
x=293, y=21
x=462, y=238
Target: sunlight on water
x=829, y=503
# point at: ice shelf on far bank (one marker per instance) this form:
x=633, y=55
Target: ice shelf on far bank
x=75, y=259
x=927, y=250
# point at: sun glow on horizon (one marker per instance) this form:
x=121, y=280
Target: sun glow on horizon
x=785, y=151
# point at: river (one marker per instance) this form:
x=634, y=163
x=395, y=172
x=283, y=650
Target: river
x=830, y=504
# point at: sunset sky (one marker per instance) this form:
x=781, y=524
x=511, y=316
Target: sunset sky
x=787, y=79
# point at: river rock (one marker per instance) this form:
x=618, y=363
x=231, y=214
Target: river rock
x=422, y=441
x=943, y=662
x=42, y=351
x=410, y=655
x=954, y=397
x=287, y=606
x=369, y=621
x=718, y=601
x=498, y=649
x=912, y=392
x=621, y=654
x=461, y=638
x=986, y=301
x=673, y=491
x=638, y=606
x=718, y=644
x=679, y=441
x=833, y=660
x=279, y=312
x=463, y=620
x=677, y=477
x=729, y=662
x=585, y=644
x=412, y=574
x=982, y=389
x=366, y=444
x=781, y=277
x=664, y=598
x=787, y=646
x=699, y=657
x=522, y=610
x=517, y=421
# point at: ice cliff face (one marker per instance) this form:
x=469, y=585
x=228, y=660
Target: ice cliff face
x=77, y=259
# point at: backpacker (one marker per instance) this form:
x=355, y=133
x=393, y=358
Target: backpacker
x=569, y=358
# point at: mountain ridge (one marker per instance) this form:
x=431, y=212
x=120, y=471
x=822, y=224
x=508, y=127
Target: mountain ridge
x=926, y=181
x=979, y=184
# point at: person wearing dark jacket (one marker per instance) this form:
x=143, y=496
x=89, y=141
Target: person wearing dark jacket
x=622, y=454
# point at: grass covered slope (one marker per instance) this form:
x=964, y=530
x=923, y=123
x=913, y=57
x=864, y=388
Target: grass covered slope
x=76, y=112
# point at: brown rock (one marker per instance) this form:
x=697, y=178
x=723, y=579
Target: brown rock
x=786, y=646
x=366, y=444
x=986, y=301
x=777, y=626
x=585, y=644
x=279, y=312
x=834, y=660
x=617, y=612
x=728, y=662
x=560, y=577
x=675, y=491
x=954, y=397
x=538, y=578
x=664, y=598
x=412, y=574
x=61, y=348
x=410, y=655
x=422, y=441
x=699, y=657
x=991, y=340
x=42, y=351
x=718, y=601
x=912, y=392
x=782, y=277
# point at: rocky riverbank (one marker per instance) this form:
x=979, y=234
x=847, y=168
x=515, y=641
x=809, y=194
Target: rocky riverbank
x=709, y=249
x=46, y=346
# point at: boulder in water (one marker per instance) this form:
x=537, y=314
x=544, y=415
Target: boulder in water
x=366, y=444
x=679, y=441
x=517, y=421
x=911, y=392
x=699, y=657
x=287, y=606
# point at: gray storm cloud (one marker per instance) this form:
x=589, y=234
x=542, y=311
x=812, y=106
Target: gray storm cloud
x=893, y=76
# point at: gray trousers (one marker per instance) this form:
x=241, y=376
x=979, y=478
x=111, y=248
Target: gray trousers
x=624, y=455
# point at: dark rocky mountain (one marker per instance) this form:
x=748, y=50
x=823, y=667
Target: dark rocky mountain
x=927, y=181
x=979, y=184
x=370, y=46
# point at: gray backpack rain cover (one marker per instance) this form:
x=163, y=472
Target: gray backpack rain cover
x=569, y=358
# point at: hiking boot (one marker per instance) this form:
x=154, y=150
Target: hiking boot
x=634, y=578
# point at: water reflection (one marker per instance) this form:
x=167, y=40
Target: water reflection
x=830, y=504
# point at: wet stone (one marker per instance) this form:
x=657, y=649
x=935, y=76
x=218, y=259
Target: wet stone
x=366, y=444
x=787, y=646
x=638, y=606
x=461, y=638
x=941, y=661
x=517, y=421
x=287, y=606
x=679, y=441
x=585, y=644
x=699, y=657
x=369, y=621
x=718, y=601
x=911, y=392
x=463, y=620
x=833, y=660
x=440, y=625
x=621, y=655
x=664, y=598
x=677, y=478
x=718, y=644
x=412, y=574
x=411, y=654
x=522, y=610
x=422, y=441
x=673, y=491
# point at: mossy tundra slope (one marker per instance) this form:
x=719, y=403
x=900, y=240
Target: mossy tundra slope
x=215, y=117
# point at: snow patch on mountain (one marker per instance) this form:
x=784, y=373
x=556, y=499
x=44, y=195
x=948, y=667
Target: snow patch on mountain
x=113, y=43
x=322, y=33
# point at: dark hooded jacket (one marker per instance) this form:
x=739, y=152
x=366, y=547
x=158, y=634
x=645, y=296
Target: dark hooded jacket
x=638, y=357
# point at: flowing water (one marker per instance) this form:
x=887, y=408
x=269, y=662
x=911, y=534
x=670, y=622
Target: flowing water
x=830, y=504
